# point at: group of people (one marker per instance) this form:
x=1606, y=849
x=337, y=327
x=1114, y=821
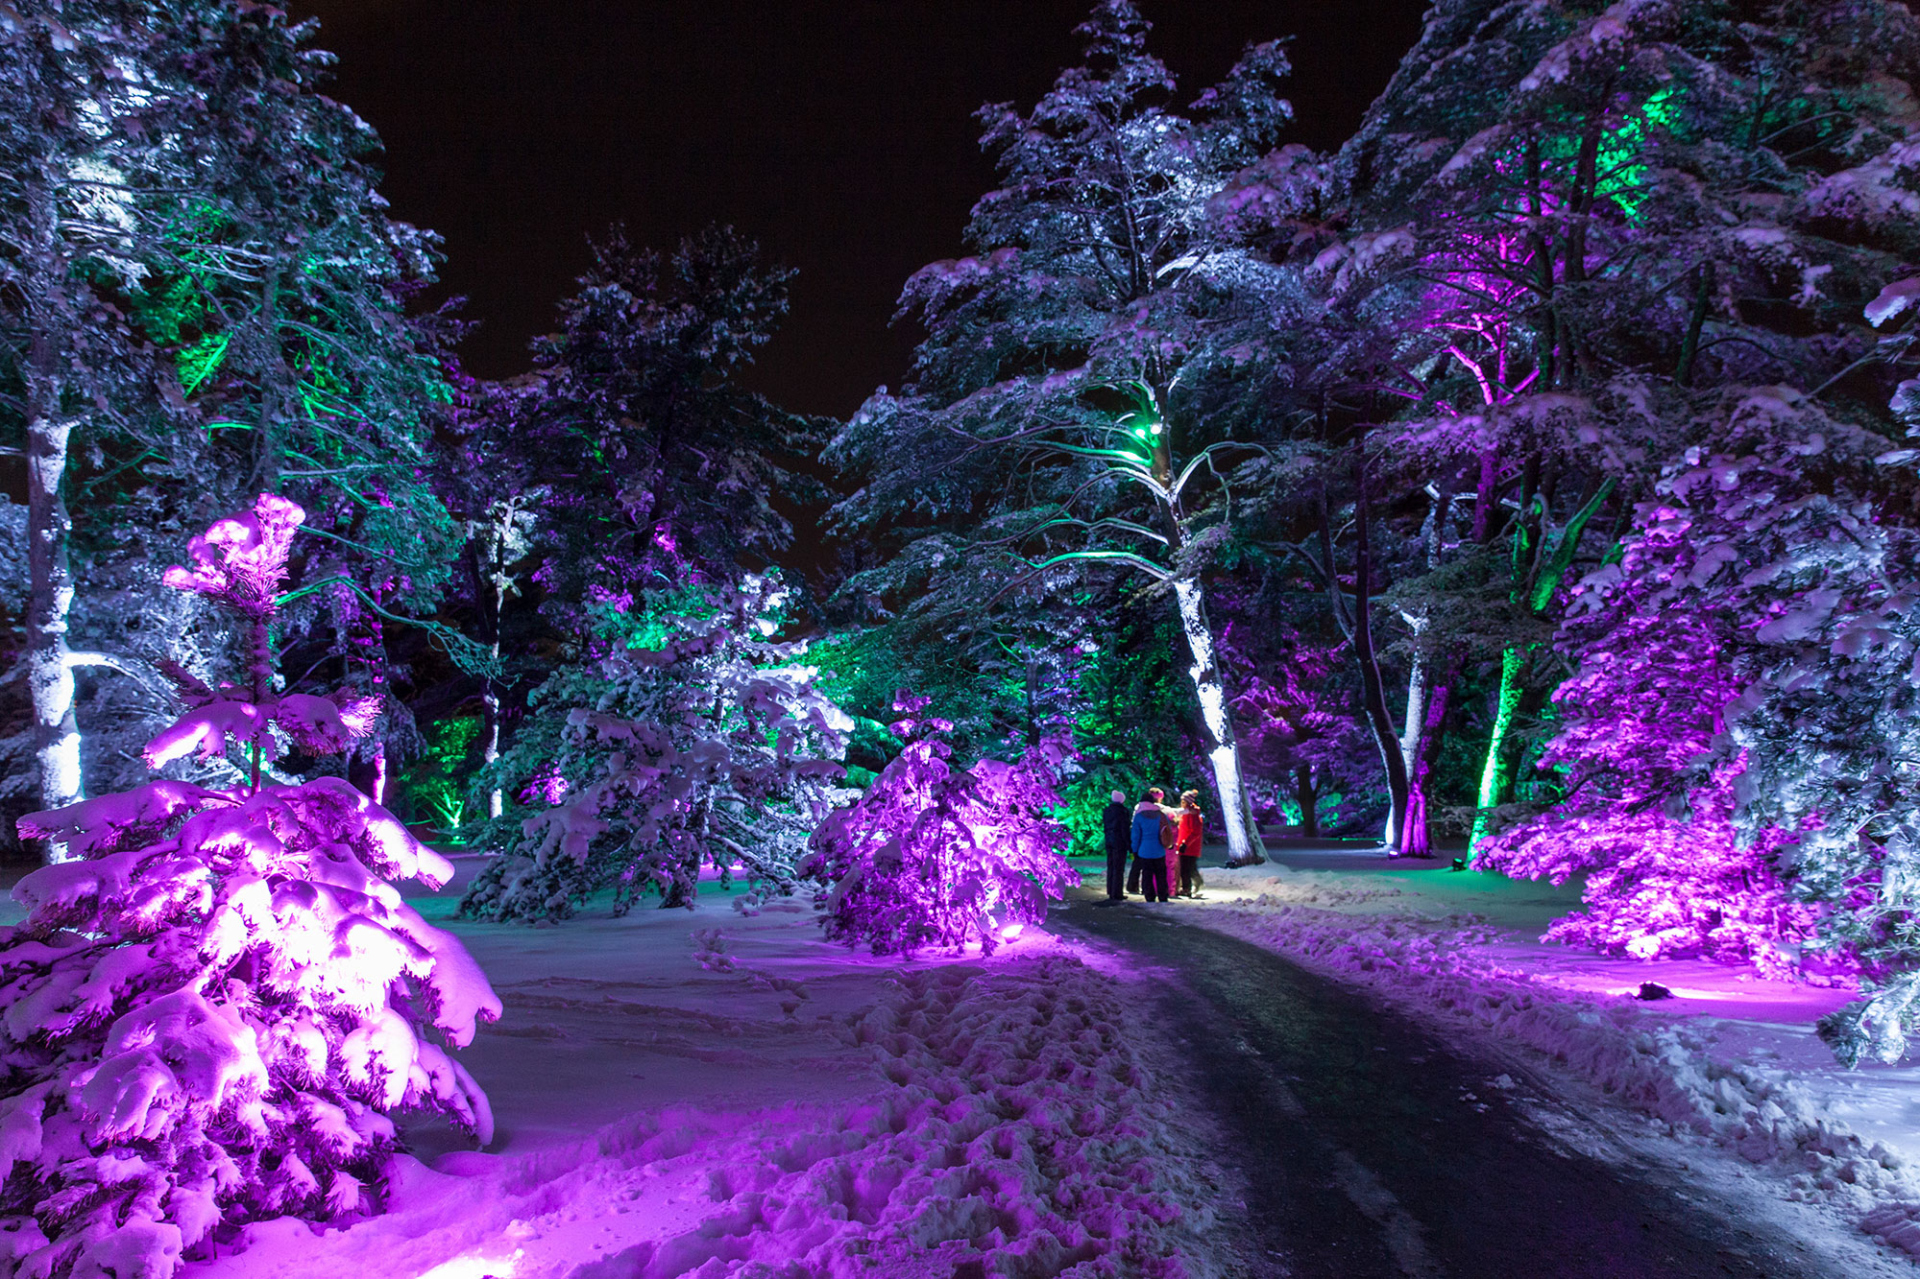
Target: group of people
x=1163, y=841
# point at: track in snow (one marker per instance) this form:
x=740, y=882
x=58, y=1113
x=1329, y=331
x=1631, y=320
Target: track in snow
x=1373, y=1149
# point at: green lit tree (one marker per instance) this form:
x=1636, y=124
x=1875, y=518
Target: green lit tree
x=205, y=297
x=1056, y=420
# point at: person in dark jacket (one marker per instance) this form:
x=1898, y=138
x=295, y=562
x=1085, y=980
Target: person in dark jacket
x=1117, y=825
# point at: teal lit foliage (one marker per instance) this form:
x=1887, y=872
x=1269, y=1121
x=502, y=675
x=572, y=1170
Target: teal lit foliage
x=435, y=785
x=1131, y=728
x=1622, y=174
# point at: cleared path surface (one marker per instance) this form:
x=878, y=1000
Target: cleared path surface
x=1373, y=1149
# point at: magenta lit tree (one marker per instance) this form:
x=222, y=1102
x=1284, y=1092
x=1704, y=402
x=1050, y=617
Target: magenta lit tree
x=937, y=855
x=213, y=1009
x=1735, y=739
x=1650, y=814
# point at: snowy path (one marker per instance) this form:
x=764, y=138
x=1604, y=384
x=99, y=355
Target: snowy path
x=1375, y=1150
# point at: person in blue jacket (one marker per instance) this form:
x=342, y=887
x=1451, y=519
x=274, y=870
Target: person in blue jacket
x=1149, y=851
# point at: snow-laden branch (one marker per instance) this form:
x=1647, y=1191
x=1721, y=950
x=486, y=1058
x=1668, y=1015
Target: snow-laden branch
x=1145, y=565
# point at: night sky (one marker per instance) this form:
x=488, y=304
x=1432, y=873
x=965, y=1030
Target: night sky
x=839, y=133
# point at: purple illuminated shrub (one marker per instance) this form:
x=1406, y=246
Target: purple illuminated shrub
x=936, y=855
x=1708, y=819
x=210, y=1012
x=1667, y=876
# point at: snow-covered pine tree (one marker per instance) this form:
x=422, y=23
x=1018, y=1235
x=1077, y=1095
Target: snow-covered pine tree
x=212, y=1011
x=643, y=375
x=939, y=855
x=697, y=740
x=1070, y=349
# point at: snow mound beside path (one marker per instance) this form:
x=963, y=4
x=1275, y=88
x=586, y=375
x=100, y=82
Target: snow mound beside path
x=1435, y=967
x=1015, y=1129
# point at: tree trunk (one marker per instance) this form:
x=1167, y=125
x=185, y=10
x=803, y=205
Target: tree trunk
x=48, y=661
x=1417, y=833
x=1495, y=772
x=1372, y=691
x=1414, y=839
x=56, y=731
x=1412, y=832
x=1306, y=794
x=1223, y=750
x=1690, y=343
x=490, y=706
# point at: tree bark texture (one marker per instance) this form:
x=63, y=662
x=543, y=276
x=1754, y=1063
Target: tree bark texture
x=49, y=665
x=1223, y=749
x=1372, y=691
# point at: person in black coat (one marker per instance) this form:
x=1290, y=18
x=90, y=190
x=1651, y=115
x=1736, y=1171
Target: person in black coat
x=1117, y=826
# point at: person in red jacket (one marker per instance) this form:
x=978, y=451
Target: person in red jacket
x=1192, y=832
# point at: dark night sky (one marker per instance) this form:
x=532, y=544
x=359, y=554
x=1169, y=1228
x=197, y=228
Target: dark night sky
x=838, y=133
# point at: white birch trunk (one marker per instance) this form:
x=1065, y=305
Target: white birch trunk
x=49, y=662
x=496, y=798
x=1411, y=732
x=1409, y=745
x=1223, y=752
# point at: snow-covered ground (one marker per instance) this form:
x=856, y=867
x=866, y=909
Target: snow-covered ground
x=1729, y=1065
x=707, y=1093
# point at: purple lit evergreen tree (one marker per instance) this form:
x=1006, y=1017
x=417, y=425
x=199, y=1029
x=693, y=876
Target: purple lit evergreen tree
x=937, y=855
x=213, y=1009
x=1648, y=815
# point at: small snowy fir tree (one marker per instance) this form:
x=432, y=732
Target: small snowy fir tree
x=210, y=1012
x=706, y=745
x=939, y=855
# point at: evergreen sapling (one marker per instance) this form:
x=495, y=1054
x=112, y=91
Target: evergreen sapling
x=211, y=1011
x=939, y=855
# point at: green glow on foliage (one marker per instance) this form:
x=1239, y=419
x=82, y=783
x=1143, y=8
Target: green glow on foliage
x=1622, y=176
x=650, y=621
x=434, y=781
x=200, y=361
x=323, y=393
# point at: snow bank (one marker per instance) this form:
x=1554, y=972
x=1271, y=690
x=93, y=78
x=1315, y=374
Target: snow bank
x=1461, y=970
x=983, y=1117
